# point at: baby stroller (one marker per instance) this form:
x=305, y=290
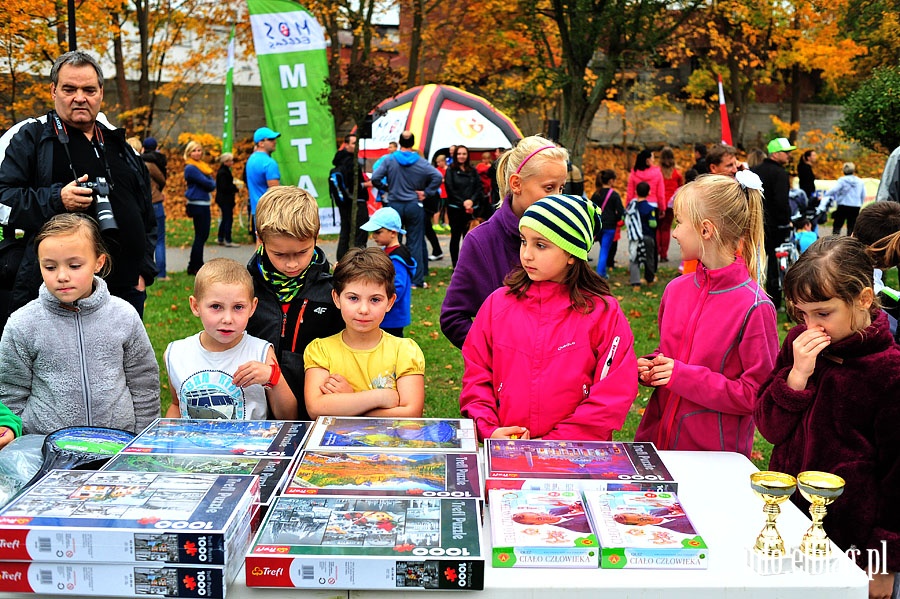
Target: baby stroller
x=815, y=209
x=787, y=254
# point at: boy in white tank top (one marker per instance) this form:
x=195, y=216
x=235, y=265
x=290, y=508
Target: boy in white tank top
x=222, y=372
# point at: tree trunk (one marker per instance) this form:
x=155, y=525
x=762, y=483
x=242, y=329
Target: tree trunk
x=737, y=99
x=795, y=101
x=121, y=82
x=415, y=42
x=62, y=19
x=142, y=16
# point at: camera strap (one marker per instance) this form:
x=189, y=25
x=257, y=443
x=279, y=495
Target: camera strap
x=62, y=134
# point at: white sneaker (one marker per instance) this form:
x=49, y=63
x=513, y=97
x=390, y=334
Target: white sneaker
x=434, y=257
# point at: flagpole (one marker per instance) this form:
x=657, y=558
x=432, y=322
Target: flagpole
x=723, y=114
x=228, y=120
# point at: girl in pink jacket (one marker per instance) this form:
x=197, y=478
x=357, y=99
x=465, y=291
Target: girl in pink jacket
x=550, y=355
x=717, y=327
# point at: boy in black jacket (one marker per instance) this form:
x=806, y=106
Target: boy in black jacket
x=292, y=281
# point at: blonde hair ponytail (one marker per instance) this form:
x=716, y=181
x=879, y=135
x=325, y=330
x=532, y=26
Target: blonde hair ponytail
x=525, y=160
x=735, y=210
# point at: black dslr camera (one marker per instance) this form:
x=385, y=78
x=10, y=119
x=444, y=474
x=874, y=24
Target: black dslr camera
x=101, y=205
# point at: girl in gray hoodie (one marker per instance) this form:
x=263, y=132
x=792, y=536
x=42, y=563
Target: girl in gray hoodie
x=77, y=355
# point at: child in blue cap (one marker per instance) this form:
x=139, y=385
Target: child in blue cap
x=385, y=227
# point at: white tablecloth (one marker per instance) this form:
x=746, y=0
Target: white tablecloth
x=714, y=488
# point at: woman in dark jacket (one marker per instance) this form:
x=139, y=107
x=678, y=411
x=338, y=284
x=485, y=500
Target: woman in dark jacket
x=465, y=196
x=200, y=183
x=226, y=191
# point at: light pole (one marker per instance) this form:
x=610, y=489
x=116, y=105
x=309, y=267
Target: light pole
x=73, y=45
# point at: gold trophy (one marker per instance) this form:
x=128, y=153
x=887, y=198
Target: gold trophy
x=820, y=489
x=768, y=555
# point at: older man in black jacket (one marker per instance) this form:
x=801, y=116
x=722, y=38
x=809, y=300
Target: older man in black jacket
x=46, y=162
x=776, y=206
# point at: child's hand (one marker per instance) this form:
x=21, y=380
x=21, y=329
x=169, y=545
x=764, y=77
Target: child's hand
x=6, y=436
x=807, y=346
x=252, y=373
x=644, y=366
x=511, y=432
x=881, y=586
x=335, y=383
x=661, y=372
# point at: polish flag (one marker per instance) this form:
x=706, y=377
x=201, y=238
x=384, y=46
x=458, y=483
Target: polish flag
x=723, y=111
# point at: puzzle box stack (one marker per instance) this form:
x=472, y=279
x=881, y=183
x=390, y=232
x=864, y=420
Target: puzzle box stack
x=377, y=504
x=127, y=533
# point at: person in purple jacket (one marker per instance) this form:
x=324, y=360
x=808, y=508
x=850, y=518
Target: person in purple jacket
x=535, y=168
x=717, y=327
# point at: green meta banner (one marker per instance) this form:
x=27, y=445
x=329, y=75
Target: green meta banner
x=293, y=68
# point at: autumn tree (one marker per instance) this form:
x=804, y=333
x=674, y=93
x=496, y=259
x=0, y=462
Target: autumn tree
x=597, y=40
x=875, y=25
x=143, y=37
x=813, y=45
x=735, y=39
x=348, y=91
x=364, y=87
x=490, y=53
x=870, y=113
x=766, y=42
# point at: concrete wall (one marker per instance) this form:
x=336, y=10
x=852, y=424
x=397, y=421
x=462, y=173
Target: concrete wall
x=692, y=125
x=203, y=107
x=200, y=109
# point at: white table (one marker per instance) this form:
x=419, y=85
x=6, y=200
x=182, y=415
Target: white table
x=715, y=490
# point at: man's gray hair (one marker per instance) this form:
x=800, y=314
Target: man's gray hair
x=75, y=58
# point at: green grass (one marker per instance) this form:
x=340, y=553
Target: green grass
x=180, y=233
x=168, y=317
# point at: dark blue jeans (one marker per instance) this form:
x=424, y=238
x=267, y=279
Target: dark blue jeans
x=160, y=213
x=227, y=210
x=412, y=215
x=606, y=242
x=200, y=216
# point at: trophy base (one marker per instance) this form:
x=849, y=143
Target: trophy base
x=815, y=565
x=769, y=566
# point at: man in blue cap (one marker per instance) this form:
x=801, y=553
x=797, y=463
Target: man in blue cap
x=776, y=207
x=261, y=171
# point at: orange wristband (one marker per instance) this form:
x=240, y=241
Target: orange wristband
x=274, y=377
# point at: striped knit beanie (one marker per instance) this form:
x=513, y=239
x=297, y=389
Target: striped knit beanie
x=567, y=221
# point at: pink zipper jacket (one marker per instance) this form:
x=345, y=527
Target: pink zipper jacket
x=720, y=328
x=538, y=363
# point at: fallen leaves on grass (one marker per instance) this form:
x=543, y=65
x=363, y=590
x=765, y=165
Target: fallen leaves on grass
x=434, y=335
x=449, y=367
x=427, y=323
x=634, y=313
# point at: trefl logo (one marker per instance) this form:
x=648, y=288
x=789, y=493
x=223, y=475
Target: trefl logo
x=259, y=571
